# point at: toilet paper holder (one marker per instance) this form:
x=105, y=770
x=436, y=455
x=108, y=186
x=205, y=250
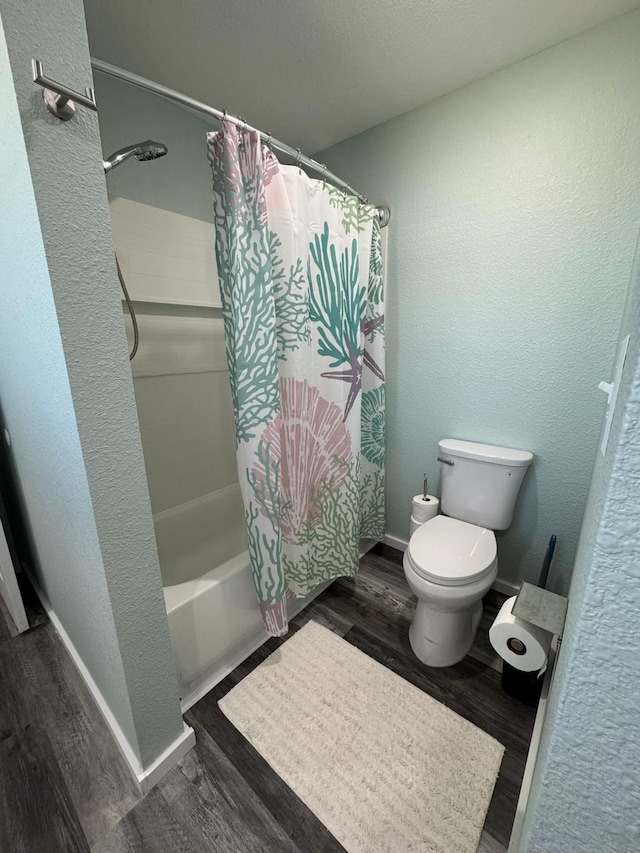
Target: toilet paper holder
x=540, y=607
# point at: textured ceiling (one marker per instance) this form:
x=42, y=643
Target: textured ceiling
x=314, y=72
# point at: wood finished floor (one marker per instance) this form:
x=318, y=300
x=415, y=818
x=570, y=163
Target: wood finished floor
x=64, y=786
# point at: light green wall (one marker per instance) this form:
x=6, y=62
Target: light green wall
x=32, y=360
x=65, y=383
x=515, y=213
x=181, y=181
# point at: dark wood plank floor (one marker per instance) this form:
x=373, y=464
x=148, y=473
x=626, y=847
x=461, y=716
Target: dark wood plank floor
x=64, y=786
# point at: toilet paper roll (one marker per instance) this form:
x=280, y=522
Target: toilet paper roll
x=425, y=510
x=519, y=643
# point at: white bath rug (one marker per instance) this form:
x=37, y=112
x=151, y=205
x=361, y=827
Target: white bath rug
x=385, y=767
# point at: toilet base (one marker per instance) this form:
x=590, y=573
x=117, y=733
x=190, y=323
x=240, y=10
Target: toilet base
x=443, y=638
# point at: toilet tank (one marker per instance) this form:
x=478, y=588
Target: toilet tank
x=480, y=482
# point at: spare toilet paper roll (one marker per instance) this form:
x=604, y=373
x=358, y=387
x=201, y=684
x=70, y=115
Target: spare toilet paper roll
x=425, y=510
x=422, y=511
x=519, y=643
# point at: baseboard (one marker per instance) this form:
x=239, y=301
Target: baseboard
x=167, y=759
x=515, y=842
x=365, y=546
x=395, y=542
x=147, y=777
x=505, y=587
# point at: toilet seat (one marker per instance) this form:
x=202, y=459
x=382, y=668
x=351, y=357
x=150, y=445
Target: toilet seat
x=450, y=552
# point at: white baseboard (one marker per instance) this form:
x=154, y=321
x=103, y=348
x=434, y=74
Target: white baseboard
x=146, y=777
x=167, y=759
x=505, y=587
x=515, y=842
x=394, y=542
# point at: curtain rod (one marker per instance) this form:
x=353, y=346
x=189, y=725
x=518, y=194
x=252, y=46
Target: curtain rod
x=384, y=214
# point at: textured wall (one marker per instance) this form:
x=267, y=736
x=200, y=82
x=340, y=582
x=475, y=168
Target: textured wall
x=514, y=221
x=585, y=794
x=36, y=400
x=181, y=181
x=84, y=484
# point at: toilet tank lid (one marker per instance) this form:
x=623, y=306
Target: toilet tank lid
x=486, y=452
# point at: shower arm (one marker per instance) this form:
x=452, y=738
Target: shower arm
x=384, y=213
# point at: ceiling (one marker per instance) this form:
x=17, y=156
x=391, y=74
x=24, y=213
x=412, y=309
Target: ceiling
x=314, y=72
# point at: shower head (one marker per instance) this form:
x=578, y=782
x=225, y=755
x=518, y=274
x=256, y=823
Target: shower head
x=143, y=151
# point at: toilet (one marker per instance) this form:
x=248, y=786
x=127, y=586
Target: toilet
x=452, y=560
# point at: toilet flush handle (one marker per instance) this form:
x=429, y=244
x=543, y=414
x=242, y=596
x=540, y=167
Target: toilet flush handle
x=446, y=461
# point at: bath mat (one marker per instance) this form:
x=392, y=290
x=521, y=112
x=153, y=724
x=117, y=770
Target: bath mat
x=384, y=766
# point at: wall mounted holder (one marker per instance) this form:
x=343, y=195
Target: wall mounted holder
x=541, y=608
x=60, y=100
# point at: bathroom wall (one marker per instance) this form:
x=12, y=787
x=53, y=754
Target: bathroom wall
x=180, y=371
x=510, y=248
x=66, y=390
x=515, y=212
x=585, y=793
x=181, y=181
x=183, y=402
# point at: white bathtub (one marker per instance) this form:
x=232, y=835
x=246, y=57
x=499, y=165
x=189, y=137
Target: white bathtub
x=214, y=618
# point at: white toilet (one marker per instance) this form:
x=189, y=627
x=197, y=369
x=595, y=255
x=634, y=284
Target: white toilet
x=452, y=560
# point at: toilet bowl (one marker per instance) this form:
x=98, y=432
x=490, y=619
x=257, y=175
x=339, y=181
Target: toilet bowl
x=449, y=565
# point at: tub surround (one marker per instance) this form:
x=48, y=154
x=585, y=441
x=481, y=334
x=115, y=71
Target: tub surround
x=166, y=257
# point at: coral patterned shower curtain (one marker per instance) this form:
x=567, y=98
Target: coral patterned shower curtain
x=300, y=270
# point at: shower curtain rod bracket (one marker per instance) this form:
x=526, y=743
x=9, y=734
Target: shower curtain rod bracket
x=60, y=99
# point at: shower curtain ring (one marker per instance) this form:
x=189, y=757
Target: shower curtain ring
x=268, y=142
x=224, y=116
x=298, y=156
x=323, y=174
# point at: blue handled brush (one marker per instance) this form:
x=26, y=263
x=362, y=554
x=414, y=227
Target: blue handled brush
x=546, y=563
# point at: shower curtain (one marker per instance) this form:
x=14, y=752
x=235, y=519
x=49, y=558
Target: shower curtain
x=300, y=271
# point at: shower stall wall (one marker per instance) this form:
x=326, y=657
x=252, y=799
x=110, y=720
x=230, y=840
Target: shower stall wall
x=184, y=407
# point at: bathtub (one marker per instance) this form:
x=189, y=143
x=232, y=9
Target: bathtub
x=214, y=618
